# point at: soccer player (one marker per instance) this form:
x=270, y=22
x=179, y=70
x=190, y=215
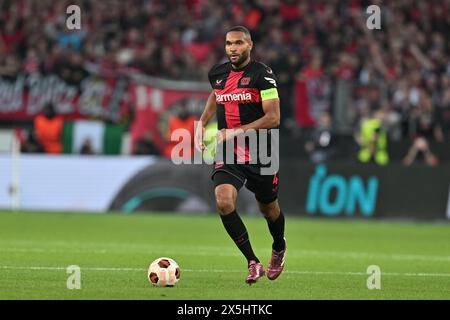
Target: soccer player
x=244, y=97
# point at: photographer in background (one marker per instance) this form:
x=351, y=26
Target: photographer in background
x=425, y=127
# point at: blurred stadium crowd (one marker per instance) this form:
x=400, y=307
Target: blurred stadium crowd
x=399, y=74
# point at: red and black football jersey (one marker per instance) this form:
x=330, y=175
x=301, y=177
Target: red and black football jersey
x=239, y=94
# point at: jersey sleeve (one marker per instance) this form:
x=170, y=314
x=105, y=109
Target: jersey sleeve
x=267, y=84
x=210, y=78
x=212, y=75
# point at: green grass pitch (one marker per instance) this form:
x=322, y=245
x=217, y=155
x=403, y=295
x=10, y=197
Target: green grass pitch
x=326, y=259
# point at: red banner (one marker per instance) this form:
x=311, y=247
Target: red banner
x=24, y=96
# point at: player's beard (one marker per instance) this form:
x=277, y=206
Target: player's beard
x=241, y=59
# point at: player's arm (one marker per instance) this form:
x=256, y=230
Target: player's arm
x=210, y=109
x=208, y=113
x=267, y=85
x=271, y=118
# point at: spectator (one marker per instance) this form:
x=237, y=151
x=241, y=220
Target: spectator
x=48, y=127
x=321, y=145
x=146, y=146
x=30, y=143
x=424, y=121
x=183, y=120
x=86, y=147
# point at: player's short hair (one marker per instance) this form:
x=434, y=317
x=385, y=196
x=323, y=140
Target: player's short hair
x=242, y=29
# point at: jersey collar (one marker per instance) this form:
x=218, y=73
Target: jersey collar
x=240, y=69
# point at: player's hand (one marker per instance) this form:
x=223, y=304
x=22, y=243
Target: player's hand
x=198, y=139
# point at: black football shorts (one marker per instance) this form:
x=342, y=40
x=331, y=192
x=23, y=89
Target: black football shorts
x=265, y=187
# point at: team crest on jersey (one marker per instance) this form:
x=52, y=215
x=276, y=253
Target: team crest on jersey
x=245, y=81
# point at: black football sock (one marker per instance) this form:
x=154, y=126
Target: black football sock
x=277, y=231
x=237, y=231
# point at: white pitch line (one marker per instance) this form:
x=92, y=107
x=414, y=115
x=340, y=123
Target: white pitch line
x=203, y=251
x=90, y=247
x=341, y=273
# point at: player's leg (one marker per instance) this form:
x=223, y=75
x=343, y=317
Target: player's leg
x=275, y=222
x=226, y=190
x=265, y=188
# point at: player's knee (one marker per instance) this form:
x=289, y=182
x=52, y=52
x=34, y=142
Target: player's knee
x=270, y=211
x=225, y=198
x=265, y=211
x=225, y=204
